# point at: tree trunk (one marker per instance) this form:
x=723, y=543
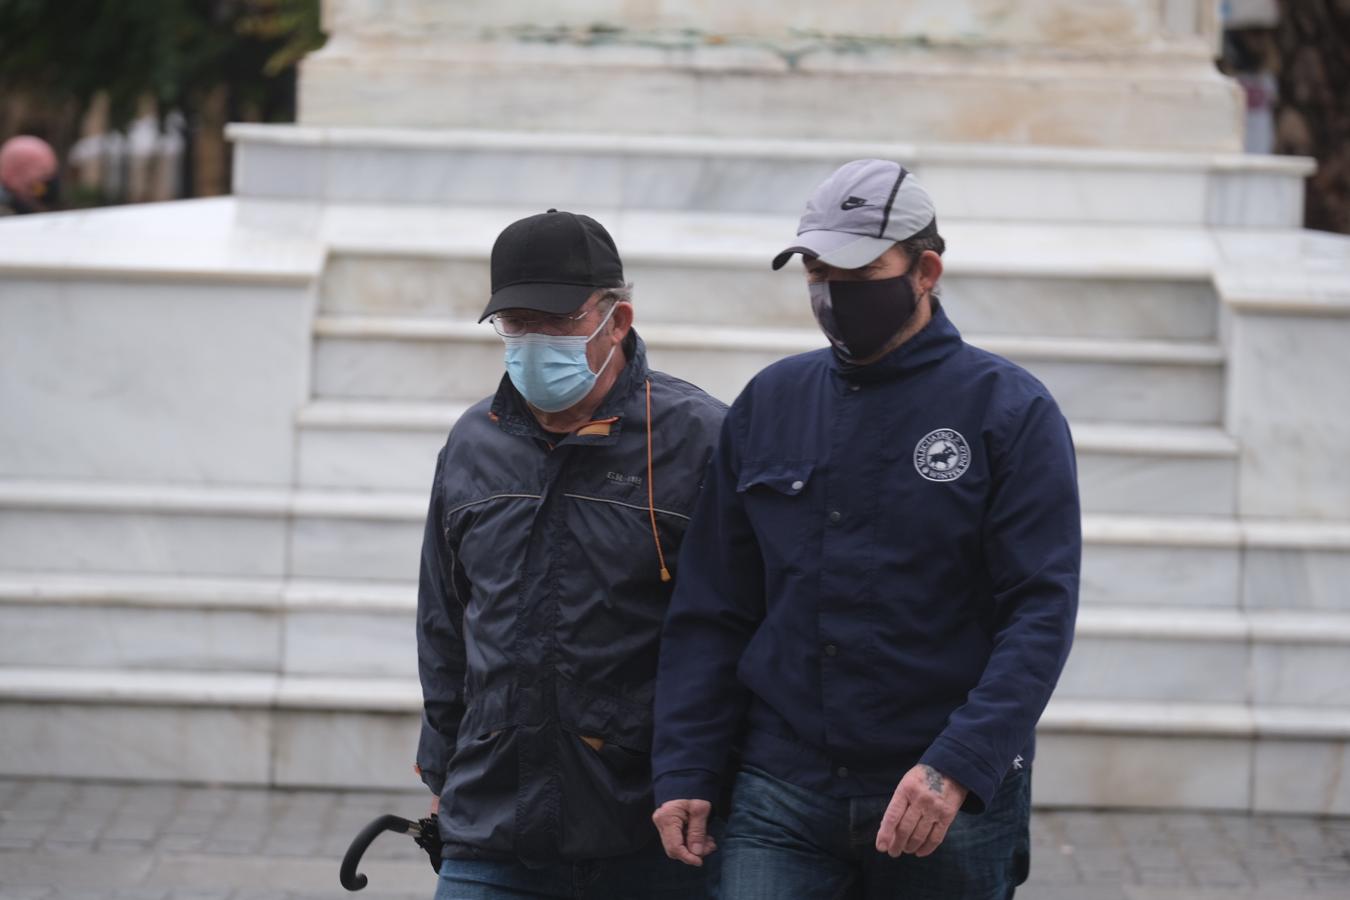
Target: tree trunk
x=1313, y=119
x=211, y=165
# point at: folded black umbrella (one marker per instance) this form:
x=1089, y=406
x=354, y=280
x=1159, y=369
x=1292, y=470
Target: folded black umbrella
x=424, y=831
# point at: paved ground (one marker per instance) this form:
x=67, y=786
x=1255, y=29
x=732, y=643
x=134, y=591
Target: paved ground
x=155, y=842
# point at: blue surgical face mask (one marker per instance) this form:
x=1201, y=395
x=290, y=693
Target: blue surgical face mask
x=551, y=371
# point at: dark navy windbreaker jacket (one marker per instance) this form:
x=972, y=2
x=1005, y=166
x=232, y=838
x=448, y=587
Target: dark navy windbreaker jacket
x=881, y=570
x=540, y=605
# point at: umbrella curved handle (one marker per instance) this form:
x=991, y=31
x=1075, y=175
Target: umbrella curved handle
x=350, y=879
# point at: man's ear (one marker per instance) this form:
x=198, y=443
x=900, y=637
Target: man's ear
x=622, y=320
x=929, y=271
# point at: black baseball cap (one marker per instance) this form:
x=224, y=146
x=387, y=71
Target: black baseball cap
x=552, y=262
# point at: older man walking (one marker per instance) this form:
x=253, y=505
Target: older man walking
x=878, y=590
x=557, y=510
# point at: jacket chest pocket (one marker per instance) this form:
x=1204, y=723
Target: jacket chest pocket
x=778, y=501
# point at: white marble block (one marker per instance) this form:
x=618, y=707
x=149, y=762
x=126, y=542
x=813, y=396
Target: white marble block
x=1142, y=393
x=1113, y=308
x=1155, y=484
x=1134, y=24
x=1302, y=777
x=66, y=540
x=356, y=548
x=1301, y=673
x=351, y=643
x=110, y=635
x=431, y=369
x=388, y=285
x=1145, y=771
x=1289, y=397
x=346, y=749
x=218, y=745
x=1297, y=578
x=504, y=85
x=1155, y=668
x=1160, y=575
x=738, y=174
x=395, y=459
x=174, y=381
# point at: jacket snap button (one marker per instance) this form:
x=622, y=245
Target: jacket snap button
x=831, y=650
x=836, y=515
x=842, y=771
x=798, y=485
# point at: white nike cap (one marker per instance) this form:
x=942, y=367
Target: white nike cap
x=860, y=212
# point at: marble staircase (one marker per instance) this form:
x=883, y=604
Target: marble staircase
x=238, y=606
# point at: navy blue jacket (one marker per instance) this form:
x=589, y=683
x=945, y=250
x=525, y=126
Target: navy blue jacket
x=881, y=570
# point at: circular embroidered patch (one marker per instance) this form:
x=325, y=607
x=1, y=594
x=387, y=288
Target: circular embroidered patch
x=942, y=455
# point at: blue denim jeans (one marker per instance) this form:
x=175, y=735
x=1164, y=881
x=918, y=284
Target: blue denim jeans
x=782, y=841
x=646, y=875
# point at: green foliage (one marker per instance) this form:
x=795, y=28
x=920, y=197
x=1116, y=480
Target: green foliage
x=174, y=50
x=293, y=23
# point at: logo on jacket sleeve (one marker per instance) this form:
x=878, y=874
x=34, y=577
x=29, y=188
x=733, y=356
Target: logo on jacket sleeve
x=942, y=455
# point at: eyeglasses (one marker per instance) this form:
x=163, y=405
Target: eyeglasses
x=515, y=324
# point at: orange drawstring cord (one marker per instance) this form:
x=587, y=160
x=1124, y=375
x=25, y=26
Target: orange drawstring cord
x=651, y=489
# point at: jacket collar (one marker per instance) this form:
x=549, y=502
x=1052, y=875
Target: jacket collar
x=513, y=416
x=935, y=342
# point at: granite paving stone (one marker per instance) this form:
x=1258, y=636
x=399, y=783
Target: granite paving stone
x=118, y=841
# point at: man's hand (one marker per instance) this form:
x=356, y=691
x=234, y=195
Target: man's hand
x=918, y=816
x=435, y=805
x=683, y=826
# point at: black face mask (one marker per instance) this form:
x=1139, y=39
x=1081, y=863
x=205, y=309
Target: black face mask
x=860, y=317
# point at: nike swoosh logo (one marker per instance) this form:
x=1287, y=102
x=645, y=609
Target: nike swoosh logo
x=853, y=203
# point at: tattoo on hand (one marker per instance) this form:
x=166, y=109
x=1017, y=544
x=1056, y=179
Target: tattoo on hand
x=935, y=780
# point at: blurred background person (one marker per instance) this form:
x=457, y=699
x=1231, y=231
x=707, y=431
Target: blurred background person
x=30, y=176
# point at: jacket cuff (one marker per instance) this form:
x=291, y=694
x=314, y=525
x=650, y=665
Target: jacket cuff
x=953, y=760
x=687, y=784
x=433, y=756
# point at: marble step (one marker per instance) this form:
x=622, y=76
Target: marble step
x=138, y=528
x=311, y=628
x=74, y=527
x=1263, y=657
x=418, y=359
x=1183, y=755
x=732, y=285
x=531, y=169
x=726, y=76
x=371, y=445
x=215, y=727
x=291, y=626
x=254, y=728
x=1128, y=469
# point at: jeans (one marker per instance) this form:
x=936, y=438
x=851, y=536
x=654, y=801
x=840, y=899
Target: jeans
x=646, y=875
x=786, y=842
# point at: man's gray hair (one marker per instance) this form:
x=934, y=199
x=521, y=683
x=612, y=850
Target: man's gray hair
x=619, y=294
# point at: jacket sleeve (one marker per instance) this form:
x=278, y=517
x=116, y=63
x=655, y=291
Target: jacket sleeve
x=1032, y=546
x=717, y=605
x=441, y=590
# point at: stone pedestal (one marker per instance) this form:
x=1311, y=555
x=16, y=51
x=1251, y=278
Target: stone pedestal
x=1116, y=73
x=1288, y=329
x=223, y=415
